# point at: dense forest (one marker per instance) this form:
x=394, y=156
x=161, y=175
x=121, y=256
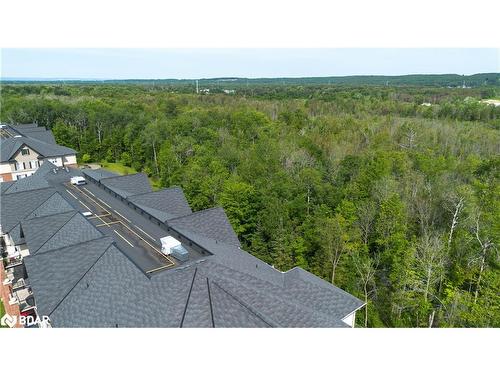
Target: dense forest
x=390, y=192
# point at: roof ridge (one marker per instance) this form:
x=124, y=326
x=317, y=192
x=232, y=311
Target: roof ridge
x=53, y=234
x=199, y=212
x=50, y=196
x=13, y=150
x=80, y=279
x=76, y=244
x=45, y=216
x=297, y=303
x=188, y=297
x=29, y=213
x=13, y=186
x=37, y=207
x=210, y=302
x=25, y=191
x=152, y=192
x=318, y=279
x=258, y=314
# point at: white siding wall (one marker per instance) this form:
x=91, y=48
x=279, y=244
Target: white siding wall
x=21, y=174
x=5, y=168
x=32, y=166
x=70, y=159
x=57, y=161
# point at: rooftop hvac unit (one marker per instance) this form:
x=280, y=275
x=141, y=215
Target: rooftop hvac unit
x=170, y=246
x=180, y=253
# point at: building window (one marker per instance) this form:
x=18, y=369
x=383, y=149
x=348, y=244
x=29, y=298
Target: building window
x=25, y=151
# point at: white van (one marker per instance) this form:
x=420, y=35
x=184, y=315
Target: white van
x=78, y=180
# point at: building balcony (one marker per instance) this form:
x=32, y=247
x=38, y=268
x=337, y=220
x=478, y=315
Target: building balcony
x=13, y=261
x=21, y=283
x=22, y=297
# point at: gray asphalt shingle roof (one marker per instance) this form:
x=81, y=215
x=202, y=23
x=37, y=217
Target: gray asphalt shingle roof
x=53, y=205
x=15, y=234
x=18, y=206
x=128, y=185
x=24, y=126
x=198, y=310
x=163, y=204
x=37, y=231
x=32, y=182
x=37, y=180
x=44, y=169
x=312, y=291
x=212, y=223
x=54, y=274
x=272, y=303
x=98, y=174
x=230, y=312
x=114, y=292
x=4, y=185
x=36, y=132
x=234, y=257
x=76, y=230
x=30, y=204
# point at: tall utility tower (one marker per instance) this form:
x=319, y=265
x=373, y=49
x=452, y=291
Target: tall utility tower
x=197, y=90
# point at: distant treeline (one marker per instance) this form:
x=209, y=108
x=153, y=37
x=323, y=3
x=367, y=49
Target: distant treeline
x=436, y=80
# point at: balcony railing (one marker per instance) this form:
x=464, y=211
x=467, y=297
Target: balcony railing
x=21, y=283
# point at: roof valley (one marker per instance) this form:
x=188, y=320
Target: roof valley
x=80, y=279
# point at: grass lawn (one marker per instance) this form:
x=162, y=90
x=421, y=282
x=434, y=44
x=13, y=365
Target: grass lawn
x=2, y=312
x=123, y=169
x=118, y=168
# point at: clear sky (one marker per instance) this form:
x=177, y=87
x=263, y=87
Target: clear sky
x=252, y=63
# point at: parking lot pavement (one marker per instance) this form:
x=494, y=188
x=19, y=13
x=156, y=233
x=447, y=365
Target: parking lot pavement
x=139, y=244
x=153, y=231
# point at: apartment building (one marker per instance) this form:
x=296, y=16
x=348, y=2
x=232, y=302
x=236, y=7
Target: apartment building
x=24, y=148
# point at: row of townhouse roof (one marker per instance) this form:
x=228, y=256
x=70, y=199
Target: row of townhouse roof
x=80, y=277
